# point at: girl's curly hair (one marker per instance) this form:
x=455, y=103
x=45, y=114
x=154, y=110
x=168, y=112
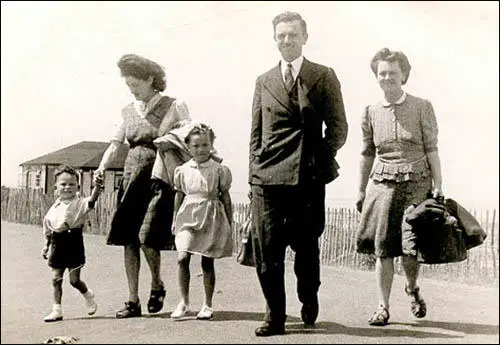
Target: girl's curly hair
x=200, y=128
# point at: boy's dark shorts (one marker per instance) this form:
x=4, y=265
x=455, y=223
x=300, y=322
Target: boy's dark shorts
x=67, y=250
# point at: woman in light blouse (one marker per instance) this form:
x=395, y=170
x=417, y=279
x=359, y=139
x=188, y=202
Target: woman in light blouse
x=399, y=167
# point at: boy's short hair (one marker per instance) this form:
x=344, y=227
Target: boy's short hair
x=63, y=168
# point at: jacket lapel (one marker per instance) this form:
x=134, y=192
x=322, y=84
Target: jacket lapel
x=274, y=83
x=309, y=76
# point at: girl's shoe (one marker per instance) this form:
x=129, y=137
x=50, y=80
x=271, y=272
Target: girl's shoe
x=55, y=315
x=206, y=313
x=179, y=312
x=380, y=317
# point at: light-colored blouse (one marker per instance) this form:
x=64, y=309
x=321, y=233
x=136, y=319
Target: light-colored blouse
x=400, y=135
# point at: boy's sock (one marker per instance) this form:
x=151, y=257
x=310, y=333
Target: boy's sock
x=90, y=302
x=55, y=314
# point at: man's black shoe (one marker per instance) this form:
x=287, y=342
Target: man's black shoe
x=268, y=329
x=309, y=313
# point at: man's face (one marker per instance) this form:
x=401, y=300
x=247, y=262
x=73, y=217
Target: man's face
x=290, y=39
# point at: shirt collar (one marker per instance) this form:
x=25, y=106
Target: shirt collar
x=399, y=101
x=59, y=202
x=296, y=66
x=144, y=107
x=192, y=163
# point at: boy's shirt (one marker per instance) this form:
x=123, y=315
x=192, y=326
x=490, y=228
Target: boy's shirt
x=68, y=214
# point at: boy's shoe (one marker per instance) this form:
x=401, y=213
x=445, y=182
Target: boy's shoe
x=179, y=312
x=206, y=313
x=131, y=310
x=90, y=302
x=55, y=315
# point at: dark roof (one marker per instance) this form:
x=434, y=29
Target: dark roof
x=86, y=154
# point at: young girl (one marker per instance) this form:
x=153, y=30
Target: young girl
x=202, y=216
x=62, y=228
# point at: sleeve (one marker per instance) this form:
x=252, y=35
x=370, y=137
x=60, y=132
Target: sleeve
x=178, y=185
x=181, y=110
x=77, y=212
x=119, y=131
x=334, y=112
x=368, y=146
x=255, y=129
x=85, y=205
x=46, y=230
x=177, y=112
x=225, y=178
x=429, y=128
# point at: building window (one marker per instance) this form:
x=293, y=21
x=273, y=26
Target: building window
x=118, y=179
x=38, y=175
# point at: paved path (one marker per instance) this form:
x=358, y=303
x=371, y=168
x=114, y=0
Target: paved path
x=456, y=313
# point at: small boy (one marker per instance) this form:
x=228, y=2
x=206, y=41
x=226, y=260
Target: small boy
x=62, y=228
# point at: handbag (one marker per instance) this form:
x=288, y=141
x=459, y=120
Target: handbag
x=246, y=255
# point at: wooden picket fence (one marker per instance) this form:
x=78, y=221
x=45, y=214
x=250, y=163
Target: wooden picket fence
x=337, y=244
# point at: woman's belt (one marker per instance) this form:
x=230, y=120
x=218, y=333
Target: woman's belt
x=143, y=144
x=68, y=231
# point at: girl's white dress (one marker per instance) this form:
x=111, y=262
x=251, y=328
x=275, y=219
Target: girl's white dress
x=201, y=224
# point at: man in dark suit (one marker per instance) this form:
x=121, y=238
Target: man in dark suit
x=291, y=161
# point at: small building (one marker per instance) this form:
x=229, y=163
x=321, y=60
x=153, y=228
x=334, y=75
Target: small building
x=84, y=157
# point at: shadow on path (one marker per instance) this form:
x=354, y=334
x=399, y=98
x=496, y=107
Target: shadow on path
x=469, y=328
x=336, y=328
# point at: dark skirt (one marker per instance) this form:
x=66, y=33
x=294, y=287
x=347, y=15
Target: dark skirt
x=381, y=229
x=145, y=206
x=67, y=250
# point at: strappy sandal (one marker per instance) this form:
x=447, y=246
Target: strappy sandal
x=155, y=303
x=418, y=306
x=380, y=317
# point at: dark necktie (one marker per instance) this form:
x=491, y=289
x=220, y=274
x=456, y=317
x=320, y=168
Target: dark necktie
x=288, y=77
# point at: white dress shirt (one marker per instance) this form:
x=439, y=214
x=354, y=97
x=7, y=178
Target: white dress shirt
x=296, y=66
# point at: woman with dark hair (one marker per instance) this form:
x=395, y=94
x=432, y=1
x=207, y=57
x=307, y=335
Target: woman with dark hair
x=399, y=167
x=143, y=218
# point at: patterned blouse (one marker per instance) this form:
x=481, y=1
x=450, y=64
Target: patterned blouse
x=400, y=135
x=178, y=111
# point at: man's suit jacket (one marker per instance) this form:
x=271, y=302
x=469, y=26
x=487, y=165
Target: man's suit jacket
x=282, y=133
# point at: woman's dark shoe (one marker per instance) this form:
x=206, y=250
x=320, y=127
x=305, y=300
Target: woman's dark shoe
x=268, y=329
x=155, y=303
x=418, y=306
x=131, y=310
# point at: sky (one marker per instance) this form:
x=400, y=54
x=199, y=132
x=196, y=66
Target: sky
x=61, y=85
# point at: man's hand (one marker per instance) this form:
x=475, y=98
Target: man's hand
x=45, y=252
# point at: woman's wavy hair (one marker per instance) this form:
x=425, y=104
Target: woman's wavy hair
x=141, y=68
x=385, y=54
